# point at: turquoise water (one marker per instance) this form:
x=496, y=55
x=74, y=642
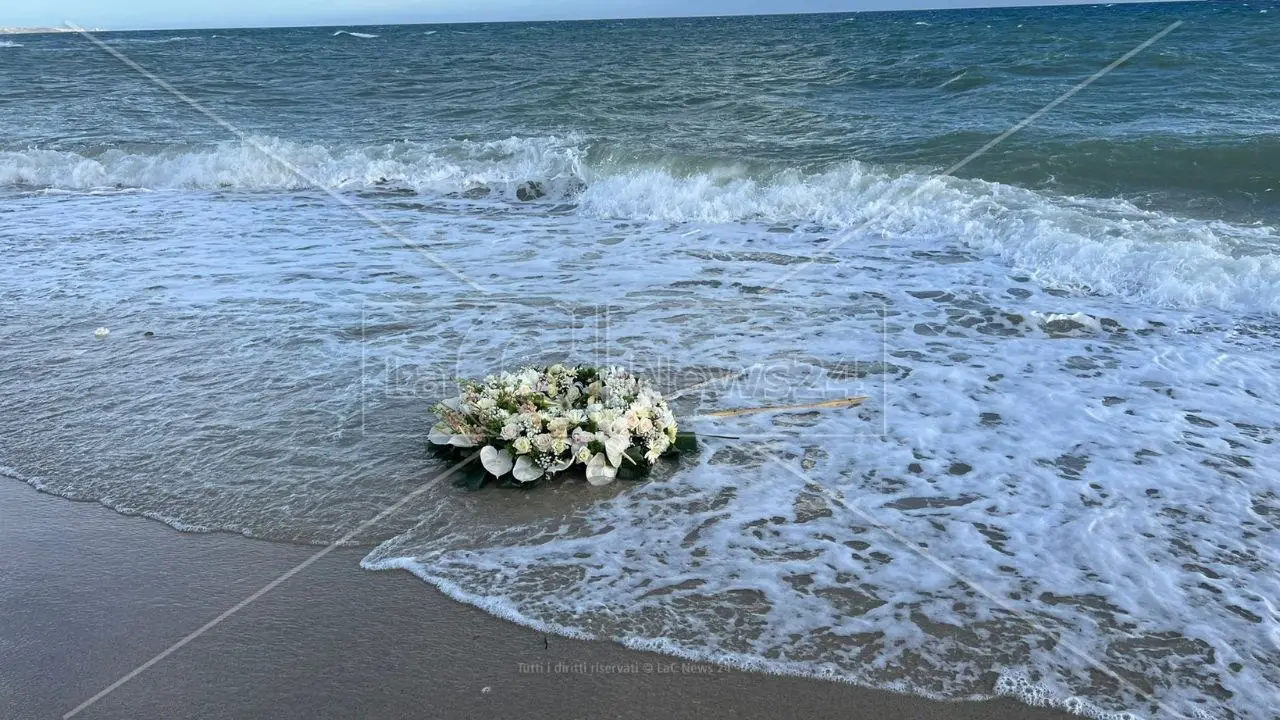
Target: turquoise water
x=1070, y=344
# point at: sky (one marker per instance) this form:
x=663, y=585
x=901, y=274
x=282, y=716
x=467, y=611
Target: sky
x=146, y=14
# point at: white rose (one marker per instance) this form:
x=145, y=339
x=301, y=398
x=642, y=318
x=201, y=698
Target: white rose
x=522, y=445
x=510, y=431
x=558, y=427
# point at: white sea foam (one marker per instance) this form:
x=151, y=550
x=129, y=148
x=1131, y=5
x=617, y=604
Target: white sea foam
x=9, y=44
x=355, y=34
x=1082, y=244
x=17, y=474
x=1105, y=246
x=254, y=167
x=1021, y=687
x=151, y=41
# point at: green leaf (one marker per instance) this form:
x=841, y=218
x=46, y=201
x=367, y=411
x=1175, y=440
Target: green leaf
x=635, y=454
x=448, y=453
x=633, y=472
x=472, y=476
x=686, y=442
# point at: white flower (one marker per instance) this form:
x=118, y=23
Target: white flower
x=618, y=428
x=614, y=447
x=526, y=470
x=558, y=427
x=558, y=422
x=599, y=471
x=497, y=462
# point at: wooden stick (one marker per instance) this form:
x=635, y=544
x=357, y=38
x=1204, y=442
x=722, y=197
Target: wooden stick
x=827, y=405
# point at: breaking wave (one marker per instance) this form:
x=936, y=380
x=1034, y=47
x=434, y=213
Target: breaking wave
x=1087, y=245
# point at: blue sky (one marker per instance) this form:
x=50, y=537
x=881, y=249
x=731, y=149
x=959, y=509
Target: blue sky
x=127, y=14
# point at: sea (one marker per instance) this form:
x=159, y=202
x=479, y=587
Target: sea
x=1064, y=485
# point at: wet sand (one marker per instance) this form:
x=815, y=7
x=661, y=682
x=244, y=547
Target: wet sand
x=87, y=595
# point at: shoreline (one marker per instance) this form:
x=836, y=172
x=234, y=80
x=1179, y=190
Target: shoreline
x=91, y=594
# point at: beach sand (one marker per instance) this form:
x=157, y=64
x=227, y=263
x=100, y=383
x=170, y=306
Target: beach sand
x=87, y=595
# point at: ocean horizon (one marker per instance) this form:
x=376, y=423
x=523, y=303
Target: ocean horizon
x=1062, y=487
